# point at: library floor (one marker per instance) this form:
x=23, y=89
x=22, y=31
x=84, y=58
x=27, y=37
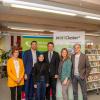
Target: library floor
x=5, y=94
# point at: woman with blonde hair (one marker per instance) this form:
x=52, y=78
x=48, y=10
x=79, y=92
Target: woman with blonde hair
x=15, y=70
x=65, y=72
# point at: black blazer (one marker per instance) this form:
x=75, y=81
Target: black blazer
x=84, y=66
x=41, y=69
x=54, y=64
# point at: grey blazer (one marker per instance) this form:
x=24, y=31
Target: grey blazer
x=84, y=66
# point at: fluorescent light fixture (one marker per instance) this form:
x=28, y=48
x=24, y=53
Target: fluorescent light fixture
x=43, y=9
x=91, y=17
x=38, y=7
x=97, y=35
x=30, y=29
x=25, y=29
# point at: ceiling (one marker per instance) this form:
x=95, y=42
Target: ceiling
x=86, y=4
x=48, y=21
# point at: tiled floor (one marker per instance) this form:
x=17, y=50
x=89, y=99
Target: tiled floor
x=4, y=90
x=5, y=93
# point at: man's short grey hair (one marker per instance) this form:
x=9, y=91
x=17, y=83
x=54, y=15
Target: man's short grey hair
x=78, y=45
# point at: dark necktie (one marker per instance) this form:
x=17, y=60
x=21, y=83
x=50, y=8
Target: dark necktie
x=50, y=56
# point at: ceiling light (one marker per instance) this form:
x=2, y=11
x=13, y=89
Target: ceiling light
x=91, y=17
x=93, y=35
x=25, y=29
x=38, y=7
x=43, y=9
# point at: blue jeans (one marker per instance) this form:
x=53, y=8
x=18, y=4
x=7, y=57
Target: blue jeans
x=41, y=89
x=82, y=82
x=29, y=88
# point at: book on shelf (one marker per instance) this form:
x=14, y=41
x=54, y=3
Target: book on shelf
x=94, y=85
x=94, y=70
x=94, y=64
x=92, y=58
x=93, y=78
x=92, y=51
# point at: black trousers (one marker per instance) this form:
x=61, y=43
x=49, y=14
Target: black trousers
x=82, y=82
x=52, y=85
x=16, y=92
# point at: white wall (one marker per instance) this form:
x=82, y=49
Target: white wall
x=94, y=39
x=5, y=43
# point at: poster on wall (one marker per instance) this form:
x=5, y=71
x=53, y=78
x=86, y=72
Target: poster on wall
x=68, y=40
x=41, y=41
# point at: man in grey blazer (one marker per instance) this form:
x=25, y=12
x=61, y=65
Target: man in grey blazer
x=80, y=71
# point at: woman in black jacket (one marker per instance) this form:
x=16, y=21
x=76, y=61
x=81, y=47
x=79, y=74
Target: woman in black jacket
x=41, y=77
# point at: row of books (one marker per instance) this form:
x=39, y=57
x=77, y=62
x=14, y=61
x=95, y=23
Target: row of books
x=94, y=64
x=93, y=57
x=95, y=70
x=90, y=46
x=94, y=85
x=93, y=77
x=92, y=51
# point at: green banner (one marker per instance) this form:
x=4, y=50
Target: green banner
x=41, y=40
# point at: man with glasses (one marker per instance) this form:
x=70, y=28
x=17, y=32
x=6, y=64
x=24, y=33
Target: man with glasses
x=80, y=71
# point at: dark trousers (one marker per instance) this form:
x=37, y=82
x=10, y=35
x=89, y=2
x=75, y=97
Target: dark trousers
x=82, y=82
x=41, y=90
x=29, y=87
x=16, y=93
x=52, y=85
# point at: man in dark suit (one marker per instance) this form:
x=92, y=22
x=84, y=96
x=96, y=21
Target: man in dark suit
x=80, y=71
x=52, y=58
x=30, y=58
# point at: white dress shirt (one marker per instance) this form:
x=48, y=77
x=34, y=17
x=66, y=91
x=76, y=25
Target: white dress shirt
x=76, y=70
x=50, y=53
x=34, y=56
x=17, y=67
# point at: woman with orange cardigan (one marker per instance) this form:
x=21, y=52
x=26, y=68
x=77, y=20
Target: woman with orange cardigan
x=15, y=70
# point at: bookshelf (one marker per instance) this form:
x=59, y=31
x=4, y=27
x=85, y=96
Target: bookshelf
x=93, y=81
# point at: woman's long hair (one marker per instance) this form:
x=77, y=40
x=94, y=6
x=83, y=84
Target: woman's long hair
x=67, y=56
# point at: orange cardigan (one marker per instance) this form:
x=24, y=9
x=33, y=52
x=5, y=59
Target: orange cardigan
x=12, y=77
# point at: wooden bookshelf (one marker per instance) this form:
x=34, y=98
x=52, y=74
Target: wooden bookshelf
x=93, y=81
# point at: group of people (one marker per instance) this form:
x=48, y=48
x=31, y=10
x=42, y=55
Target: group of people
x=38, y=72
